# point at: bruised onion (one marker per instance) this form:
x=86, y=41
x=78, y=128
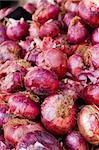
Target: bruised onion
x=75, y=141
x=58, y=113
x=17, y=29
x=95, y=36
x=89, y=12
x=50, y=28
x=21, y=105
x=16, y=128
x=53, y=59
x=77, y=31
x=30, y=7
x=45, y=12
x=88, y=123
x=90, y=94
x=41, y=81
x=10, y=50
x=39, y=140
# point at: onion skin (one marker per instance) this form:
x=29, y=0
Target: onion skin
x=10, y=50
x=77, y=31
x=45, y=12
x=90, y=94
x=95, y=36
x=58, y=114
x=34, y=29
x=53, y=59
x=16, y=30
x=88, y=123
x=30, y=7
x=74, y=141
x=89, y=12
x=49, y=29
x=21, y=105
x=41, y=81
x=16, y=128
x=39, y=140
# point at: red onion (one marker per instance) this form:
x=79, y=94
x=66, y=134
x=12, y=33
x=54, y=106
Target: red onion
x=91, y=94
x=11, y=76
x=77, y=31
x=46, y=12
x=17, y=29
x=5, y=11
x=3, y=36
x=10, y=50
x=95, y=36
x=72, y=6
x=53, y=59
x=50, y=28
x=39, y=140
x=30, y=7
x=74, y=141
x=89, y=12
x=41, y=81
x=58, y=113
x=16, y=128
x=88, y=123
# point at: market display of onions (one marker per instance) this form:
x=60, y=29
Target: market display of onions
x=49, y=76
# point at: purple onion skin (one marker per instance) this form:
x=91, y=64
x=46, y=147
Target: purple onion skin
x=74, y=141
x=77, y=31
x=95, y=36
x=67, y=19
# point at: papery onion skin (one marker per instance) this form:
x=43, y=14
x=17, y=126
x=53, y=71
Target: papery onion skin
x=89, y=12
x=16, y=128
x=39, y=140
x=21, y=105
x=53, y=59
x=75, y=141
x=41, y=81
x=90, y=94
x=49, y=29
x=17, y=29
x=88, y=123
x=95, y=36
x=58, y=114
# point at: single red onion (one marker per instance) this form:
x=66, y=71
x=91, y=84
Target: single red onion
x=21, y=105
x=58, y=113
x=90, y=94
x=12, y=76
x=72, y=6
x=75, y=141
x=3, y=36
x=50, y=28
x=39, y=140
x=30, y=7
x=45, y=12
x=77, y=32
x=10, y=50
x=67, y=19
x=53, y=59
x=16, y=128
x=88, y=123
x=17, y=29
x=41, y=81
x=89, y=12
x=95, y=36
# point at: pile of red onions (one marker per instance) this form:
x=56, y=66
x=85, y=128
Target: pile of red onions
x=49, y=77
